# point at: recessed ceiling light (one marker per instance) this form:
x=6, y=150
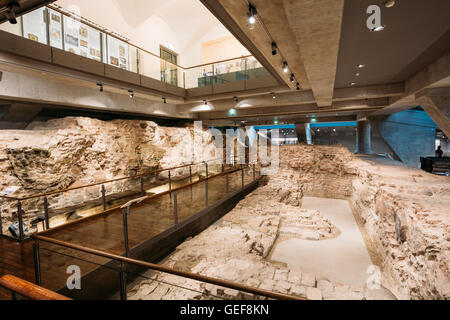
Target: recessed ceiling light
x=379, y=28
x=353, y=84
x=389, y=4
x=357, y=74
x=360, y=66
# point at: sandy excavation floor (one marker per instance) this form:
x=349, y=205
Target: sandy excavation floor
x=343, y=259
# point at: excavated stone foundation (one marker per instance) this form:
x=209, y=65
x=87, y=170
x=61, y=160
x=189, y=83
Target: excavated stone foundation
x=402, y=212
x=72, y=152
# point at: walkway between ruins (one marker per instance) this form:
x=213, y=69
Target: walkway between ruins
x=344, y=259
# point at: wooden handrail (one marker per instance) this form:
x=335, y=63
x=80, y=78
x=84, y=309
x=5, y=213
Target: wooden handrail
x=189, y=275
x=28, y=290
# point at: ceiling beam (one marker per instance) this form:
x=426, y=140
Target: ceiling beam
x=298, y=97
x=317, y=27
x=339, y=106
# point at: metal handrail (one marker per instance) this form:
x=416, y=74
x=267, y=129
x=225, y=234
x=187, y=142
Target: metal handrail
x=189, y=275
x=149, y=198
x=104, y=182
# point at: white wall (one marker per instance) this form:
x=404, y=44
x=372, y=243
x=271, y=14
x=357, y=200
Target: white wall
x=180, y=25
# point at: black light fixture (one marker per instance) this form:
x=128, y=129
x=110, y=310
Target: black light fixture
x=251, y=14
x=100, y=87
x=236, y=99
x=285, y=67
x=164, y=100
x=274, y=48
x=11, y=13
x=292, y=78
x=274, y=96
x=298, y=86
x=205, y=102
x=131, y=92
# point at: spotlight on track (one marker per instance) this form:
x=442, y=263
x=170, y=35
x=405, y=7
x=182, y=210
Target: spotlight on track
x=298, y=86
x=100, y=86
x=205, y=102
x=11, y=12
x=285, y=67
x=251, y=14
x=292, y=78
x=274, y=96
x=164, y=100
x=274, y=48
x=235, y=99
x=131, y=92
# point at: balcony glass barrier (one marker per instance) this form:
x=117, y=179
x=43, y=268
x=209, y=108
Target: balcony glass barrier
x=59, y=29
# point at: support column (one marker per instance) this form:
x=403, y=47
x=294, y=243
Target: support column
x=436, y=102
x=364, y=137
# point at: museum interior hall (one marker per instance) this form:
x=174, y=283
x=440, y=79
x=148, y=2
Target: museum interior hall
x=224, y=150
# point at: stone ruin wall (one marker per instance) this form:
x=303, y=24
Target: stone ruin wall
x=75, y=151
x=404, y=212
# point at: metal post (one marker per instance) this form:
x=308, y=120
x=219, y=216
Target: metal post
x=170, y=181
x=19, y=213
x=37, y=263
x=190, y=174
x=104, y=197
x=254, y=172
x=142, y=186
x=228, y=186
x=46, y=215
x=242, y=177
x=206, y=165
x=175, y=207
x=125, y=213
x=206, y=193
x=122, y=282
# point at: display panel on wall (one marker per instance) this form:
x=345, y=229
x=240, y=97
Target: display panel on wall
x=55, y=29
x=82, y=39
x=118, y=53
x=35, y=25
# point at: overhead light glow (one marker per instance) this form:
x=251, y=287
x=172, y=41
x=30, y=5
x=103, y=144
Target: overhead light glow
x=285, y=67
x=353, y=84
x=251, y=14
x=379, y=28
x=389, y=4
x=232, y=112
x=360, y=66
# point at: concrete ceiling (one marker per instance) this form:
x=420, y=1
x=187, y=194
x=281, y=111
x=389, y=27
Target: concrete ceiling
x=416, y=34
x=324, y=41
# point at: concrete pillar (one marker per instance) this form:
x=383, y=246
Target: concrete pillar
x=303, y=133
x=364, y=137
x=436, y=102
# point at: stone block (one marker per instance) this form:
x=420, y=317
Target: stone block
x=308, y=280
x=313, y=293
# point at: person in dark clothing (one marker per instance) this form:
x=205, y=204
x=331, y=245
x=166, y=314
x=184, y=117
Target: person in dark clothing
x=439, y=152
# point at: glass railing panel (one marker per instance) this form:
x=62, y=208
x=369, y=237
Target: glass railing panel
x=172, y=74
x=149, y=65
x=13, y=28
x=118, y=53
x=34, y=25
x=197, y=77
x=134, y=59
x=255, y=69
x=55, y=29
x=230, y=71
